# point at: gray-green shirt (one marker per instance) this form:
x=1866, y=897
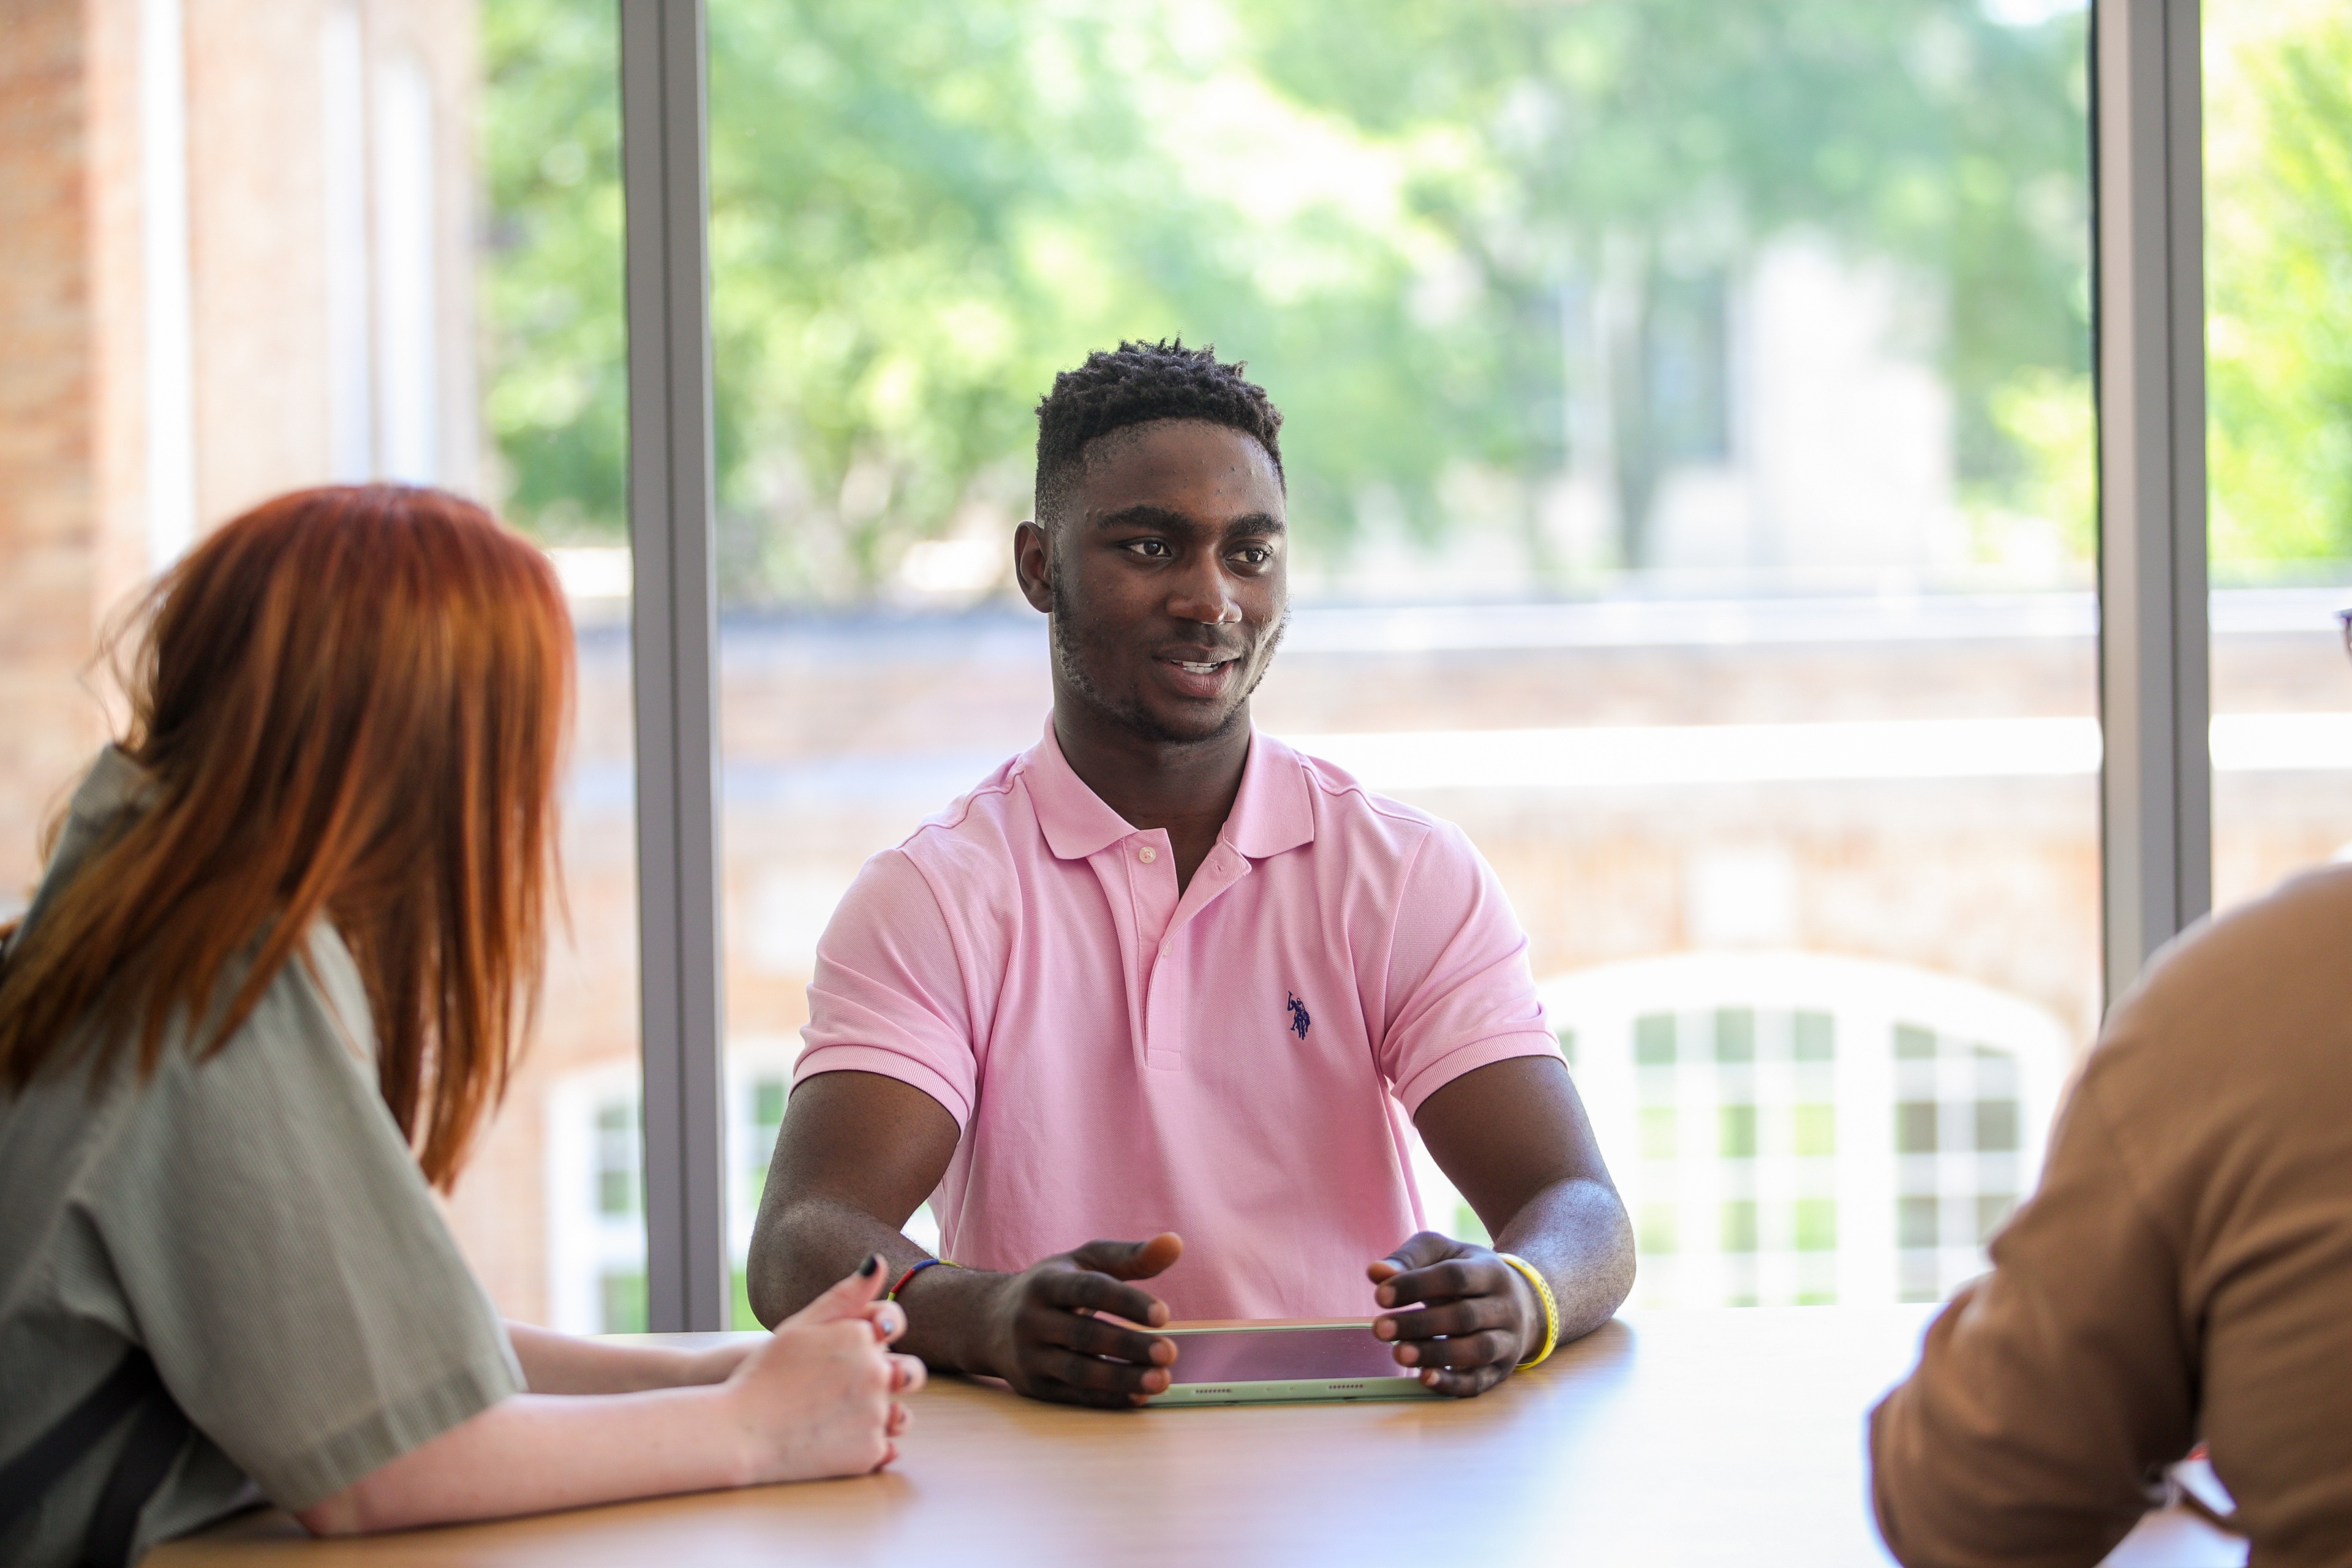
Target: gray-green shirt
x=257, y=1224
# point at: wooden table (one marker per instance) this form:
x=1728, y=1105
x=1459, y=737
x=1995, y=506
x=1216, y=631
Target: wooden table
x=1730, y=1437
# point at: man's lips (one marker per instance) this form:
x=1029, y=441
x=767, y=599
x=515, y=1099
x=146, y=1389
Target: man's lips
x=1199, y=672
x=1200, y=661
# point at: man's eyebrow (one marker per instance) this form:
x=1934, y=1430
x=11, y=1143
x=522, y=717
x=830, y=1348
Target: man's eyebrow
x=1148, y=516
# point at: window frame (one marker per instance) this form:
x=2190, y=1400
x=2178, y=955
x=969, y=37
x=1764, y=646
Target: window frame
x=2148, y=329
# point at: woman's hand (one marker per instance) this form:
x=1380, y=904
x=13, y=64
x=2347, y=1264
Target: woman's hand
x=817, y=1399
x=813, y=1399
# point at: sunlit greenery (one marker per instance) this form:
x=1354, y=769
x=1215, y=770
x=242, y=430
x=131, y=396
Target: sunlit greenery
x=2279, y=286
x=556, y=396
x=1393, y=209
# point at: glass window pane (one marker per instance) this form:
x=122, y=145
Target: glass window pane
x=1734, y=1035
x=365, y=241
x=547, y=262
x=1996, y=1125
x=1657, y=1132
x=1915, y=1127
x=1736, y=1129
x=1690, y=495
x=2278, y=216
x=1915, y=1220
x=1816, y=1037
x=1816, y=1130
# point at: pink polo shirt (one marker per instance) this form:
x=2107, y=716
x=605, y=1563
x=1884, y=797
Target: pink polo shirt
x=1235, y=1064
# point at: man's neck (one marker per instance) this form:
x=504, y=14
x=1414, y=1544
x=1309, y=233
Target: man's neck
x=1186, y=788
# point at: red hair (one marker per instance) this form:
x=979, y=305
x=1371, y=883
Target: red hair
x=351, y=703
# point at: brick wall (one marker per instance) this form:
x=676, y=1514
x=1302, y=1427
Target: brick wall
x=60, y=449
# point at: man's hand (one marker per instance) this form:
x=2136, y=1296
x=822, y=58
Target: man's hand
x=1479, y=1316
x=1049, y=1333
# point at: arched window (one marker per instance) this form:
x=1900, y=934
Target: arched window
x=1792, y=1127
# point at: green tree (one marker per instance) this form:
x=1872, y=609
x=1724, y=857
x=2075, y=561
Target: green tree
x=1639, y=146
x=556, y=395
x=1396, y=211
x=923, y=210
x=2279, y=289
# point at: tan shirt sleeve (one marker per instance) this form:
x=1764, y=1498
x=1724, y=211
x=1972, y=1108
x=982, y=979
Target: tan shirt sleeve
x=2186, y=1270
x=2050, y=1393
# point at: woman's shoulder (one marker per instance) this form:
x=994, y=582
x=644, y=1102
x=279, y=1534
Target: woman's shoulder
x=310, y=1031
x=325, y=976
x=95, y=1134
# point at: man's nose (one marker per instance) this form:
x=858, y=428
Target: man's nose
x=1205, y=595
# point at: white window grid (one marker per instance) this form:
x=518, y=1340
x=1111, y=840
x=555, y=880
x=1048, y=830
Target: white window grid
x=1748, y=1032
x=594, y=1152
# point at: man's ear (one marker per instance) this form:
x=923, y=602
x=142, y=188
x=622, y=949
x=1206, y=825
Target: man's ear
x=1032, y=566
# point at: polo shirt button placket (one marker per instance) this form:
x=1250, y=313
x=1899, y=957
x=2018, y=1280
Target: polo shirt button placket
x=1157, y=905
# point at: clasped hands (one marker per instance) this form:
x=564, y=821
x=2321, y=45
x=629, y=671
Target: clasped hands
x=1075, y=1328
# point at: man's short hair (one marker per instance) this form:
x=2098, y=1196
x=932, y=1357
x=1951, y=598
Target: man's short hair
x=1134, y=384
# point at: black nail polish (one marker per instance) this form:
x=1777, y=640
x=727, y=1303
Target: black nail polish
x=866, y=1270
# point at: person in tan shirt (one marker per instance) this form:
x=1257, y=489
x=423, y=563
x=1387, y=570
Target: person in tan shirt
x=2185, y=1271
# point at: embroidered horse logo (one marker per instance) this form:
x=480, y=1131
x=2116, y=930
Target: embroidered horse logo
x=1299, y=1018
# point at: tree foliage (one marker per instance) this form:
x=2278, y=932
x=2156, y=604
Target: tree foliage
x=922, y=208
x=2279, y=335
x=556, y=397
x=1623, y=143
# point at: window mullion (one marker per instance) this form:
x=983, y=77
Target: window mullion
x=675, y=643
x=2155, y=705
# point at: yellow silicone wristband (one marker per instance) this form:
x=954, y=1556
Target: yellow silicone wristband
x=1550, y=1307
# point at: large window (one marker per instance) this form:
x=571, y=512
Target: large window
x=1693, y=467
x=2278, y=257
x=552, y=1208
x=251, y=247
x=1690, y=449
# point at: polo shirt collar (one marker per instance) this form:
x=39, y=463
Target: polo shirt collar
x=1272, y=813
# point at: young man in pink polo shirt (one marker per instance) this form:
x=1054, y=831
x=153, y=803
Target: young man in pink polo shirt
x=1163, y=980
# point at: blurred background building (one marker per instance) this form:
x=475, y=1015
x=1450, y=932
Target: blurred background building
x=1690, y=446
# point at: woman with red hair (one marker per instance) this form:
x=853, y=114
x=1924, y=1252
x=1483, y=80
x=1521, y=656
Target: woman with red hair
x=273, y=980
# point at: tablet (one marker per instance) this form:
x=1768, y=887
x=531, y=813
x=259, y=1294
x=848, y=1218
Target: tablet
x=1276, y=1363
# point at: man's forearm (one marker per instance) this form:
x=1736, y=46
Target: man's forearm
x=818, y=1241
x=801, y=1249
x=1576, y=1233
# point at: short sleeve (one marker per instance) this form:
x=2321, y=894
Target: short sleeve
x=891, y=994
x=1459, y=995
x=282, y=1257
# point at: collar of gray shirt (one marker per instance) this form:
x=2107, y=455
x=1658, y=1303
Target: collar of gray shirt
x=114, y=789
